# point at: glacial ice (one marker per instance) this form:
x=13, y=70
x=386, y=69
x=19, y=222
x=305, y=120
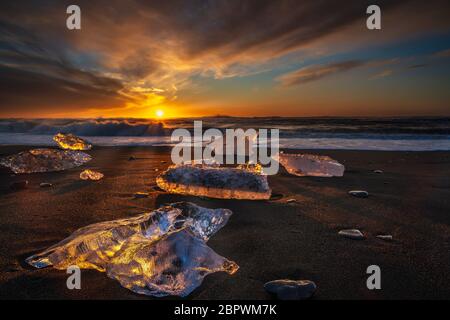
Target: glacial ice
x=215, y=182
x=91, y=175
x=158, y=253
x=175, y=265
x=311, y=165
x=71, y=142
x=44, y=160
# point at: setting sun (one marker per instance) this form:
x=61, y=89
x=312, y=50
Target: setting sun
x=159, y=113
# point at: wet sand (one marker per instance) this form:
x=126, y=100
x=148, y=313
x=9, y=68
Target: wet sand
x=268, y=239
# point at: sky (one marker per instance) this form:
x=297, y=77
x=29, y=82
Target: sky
x=182, y=58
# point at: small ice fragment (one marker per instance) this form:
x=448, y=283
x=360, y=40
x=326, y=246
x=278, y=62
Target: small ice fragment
x=352, y=234
x=214, y=182
x=71, y=142
x=159, y=253
x=44, y=160
x=385, y=237
x=311, y=165
x=359, y=193
x=91, y=175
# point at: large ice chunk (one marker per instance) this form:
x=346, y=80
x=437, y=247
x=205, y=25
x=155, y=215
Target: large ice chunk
x=174, y=265
x=311, y=165
x=45, y=160
x=71, y=142
x=159, y=253
x=215, y=182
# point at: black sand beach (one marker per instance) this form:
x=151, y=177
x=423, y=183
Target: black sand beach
x=268, y=239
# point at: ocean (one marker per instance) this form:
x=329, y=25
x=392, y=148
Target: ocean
x=388, y=134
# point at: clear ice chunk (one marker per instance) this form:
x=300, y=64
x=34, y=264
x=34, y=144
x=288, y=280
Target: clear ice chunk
x=44, y=160
x=311, y=165
x=139, y=251
x=91, y=175
x=215, y=182
x=71, y=142
x=174, y=265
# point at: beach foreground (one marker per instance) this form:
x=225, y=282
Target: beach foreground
x=269, y=240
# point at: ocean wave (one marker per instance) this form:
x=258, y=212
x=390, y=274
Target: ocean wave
x=89, y=127
x=289, y=127
x=384, y=144
x=414, y=134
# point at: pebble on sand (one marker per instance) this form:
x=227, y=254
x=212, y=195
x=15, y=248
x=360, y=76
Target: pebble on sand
x=45, y=185
x=291, y=200
x=354, y=234
x=378, y=171
x=359, y=193
x=19, y=185
x=291, y=289
x=385, y=237
x=139, y=195
x=131, y=158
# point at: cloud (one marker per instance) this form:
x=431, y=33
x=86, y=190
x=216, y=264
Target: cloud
x=317, y=72
x=382, y=74
x=126, y=48
x=443, y=54
x=418, y=66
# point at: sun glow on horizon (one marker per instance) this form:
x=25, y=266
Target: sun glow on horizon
x=159, y=113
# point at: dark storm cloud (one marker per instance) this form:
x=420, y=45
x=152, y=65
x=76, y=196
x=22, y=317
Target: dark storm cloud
x=127, y=45
x=30, y=91
x=35, y=74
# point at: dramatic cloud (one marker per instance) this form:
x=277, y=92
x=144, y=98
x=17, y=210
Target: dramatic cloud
x=135, y=54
